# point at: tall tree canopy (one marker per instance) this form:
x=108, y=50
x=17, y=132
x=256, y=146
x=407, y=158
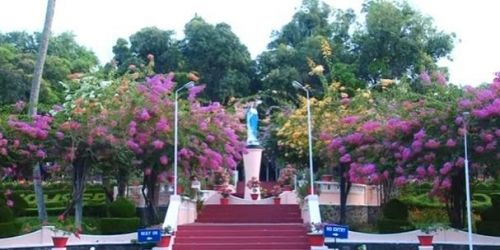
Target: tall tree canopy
x=396, y=40
x=392, y=41
x=18, y=55
x=147, y=42
x=217, y=54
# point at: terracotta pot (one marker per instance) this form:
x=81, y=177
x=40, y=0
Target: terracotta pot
x=425, y=240
x=164, y=241
x=180, y=189
x=254, y=196
x=327, y=177
x=316, y=239
x=277, y=200
x=59, y=241
x=224, y=201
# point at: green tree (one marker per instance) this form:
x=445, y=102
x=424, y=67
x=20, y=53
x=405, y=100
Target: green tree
x=217, y=54
x=397, y=40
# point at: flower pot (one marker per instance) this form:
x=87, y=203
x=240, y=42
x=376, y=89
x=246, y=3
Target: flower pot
x=327, y=177
x=254, y=196
x=164, y=241
x=425, y=240
x=59, y=241
x=180, y=189
x=224, y=201
x=277, y=200
x=316, y=239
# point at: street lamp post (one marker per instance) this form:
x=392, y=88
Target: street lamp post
x=176, y=121
x=467, y=185
x=297, y=85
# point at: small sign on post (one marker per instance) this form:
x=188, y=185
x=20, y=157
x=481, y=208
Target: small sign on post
x=336, y=231
x=148, y=235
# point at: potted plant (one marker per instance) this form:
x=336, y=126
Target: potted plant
x=286, y=177
x=166, y=234
x=220, y=178
x=60, y=236
x=276, y=191
x=225, y=191
x=428, y=230
x=254, y=185
x=315, y=234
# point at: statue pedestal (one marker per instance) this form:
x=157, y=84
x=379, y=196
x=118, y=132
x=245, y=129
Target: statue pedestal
x=251, y=163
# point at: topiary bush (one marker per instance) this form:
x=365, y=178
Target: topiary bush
x=122, y=218
x=122, y=208
x=9, y=229
x=386, y=226
x=119, y=225
x=490, y=218
x=8, y=225
x=395, y=209
x=395, y=218
x=6, y=215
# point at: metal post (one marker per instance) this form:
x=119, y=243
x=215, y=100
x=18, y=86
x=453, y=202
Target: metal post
x=175, y=141
x=310, y=141
x=298, y=85
x=176, y=121
x=467, y=185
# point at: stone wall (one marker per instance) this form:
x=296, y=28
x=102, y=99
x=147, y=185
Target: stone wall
x=356, y=215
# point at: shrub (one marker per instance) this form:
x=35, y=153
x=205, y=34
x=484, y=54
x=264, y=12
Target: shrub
x=488, y=228
x=495, y=200
x=6, y=215
x=9, y=229
x=119, y=225
x=20, y=204
x=122, y=208
x=385, y=225
x=490, y=218
x=95, y=210
x=395, y=209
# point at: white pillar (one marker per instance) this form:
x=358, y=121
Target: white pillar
x=251, y=162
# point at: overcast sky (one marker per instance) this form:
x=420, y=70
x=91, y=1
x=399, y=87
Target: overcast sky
x=98, y=23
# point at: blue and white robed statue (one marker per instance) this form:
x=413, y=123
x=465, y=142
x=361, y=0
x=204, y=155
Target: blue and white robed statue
x=252, y=118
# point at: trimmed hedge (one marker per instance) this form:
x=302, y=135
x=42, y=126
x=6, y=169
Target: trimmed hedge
x=9, y=229
x=119, y=225
x=122, y=208
x=394, y=226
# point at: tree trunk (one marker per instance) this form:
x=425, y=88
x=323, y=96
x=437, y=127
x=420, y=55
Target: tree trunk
x=455, y=204
x=149, y=194
x=345, y=187
x=35, y=90
x=123, y=175
x=40, y=60
x=40, y=200
x=78, y=189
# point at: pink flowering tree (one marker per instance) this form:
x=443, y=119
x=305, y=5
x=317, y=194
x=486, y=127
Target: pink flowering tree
x=209, y=137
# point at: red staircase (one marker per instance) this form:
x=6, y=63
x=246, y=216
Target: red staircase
x=262, y=227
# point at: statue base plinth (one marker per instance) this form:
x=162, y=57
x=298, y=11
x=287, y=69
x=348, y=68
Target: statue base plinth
x=251, y=162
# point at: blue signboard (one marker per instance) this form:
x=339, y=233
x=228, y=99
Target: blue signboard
x=148, y=235
x=336, y=231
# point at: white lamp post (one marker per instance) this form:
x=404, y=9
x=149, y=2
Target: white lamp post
x=467, y=185
x=297, y=85
x=176, y=121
